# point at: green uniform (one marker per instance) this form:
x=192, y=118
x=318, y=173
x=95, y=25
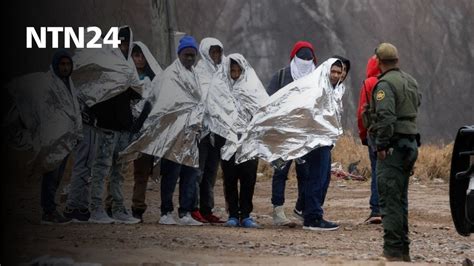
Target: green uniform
x=393, y=112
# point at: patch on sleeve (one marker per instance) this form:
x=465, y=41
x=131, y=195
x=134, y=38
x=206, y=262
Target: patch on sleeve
x=380, y=95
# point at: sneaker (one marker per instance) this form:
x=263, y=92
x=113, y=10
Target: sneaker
x=99, y=216
x=123, y=217
x=77, y=215
x=249, y=223
x=138, y=214
x=211, y=218
x=188, y=220
x=374, y=219
x=167, y=219
x=198, y=216
x=54, y=218
x=320, y=225
x=298, y=214
x=232, y=222
x=279, y=217
x=109, y=211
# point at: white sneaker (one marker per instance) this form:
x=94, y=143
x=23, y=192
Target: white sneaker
x=167, y=219
x=279, y=217
x=188, y=220
x=123, y=217
x=99, y=216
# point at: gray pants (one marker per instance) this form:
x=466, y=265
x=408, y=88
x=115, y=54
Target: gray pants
x=78, y=197
x=109, y=144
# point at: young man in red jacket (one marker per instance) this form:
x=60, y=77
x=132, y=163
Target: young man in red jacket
x=365, y=95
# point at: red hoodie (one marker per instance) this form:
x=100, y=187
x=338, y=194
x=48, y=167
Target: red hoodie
x=366, y=93
x=300, y=44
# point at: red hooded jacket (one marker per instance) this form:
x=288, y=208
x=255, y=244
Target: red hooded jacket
x=366, y=93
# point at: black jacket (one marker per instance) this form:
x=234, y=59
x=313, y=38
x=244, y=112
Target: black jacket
x=279, y=80
x=116, y=113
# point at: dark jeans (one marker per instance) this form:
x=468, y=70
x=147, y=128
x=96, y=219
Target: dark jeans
x=171, y=171
x=374, y=194
x=239, y=205
x=315, y=182
x=142, y=169
x=279, y=182
x=49, y=187
x=209, y=157
x=328, y=180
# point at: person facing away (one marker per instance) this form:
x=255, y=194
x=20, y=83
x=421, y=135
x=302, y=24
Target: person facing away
x=302, y=62
x=372, y=71
x=392, y=124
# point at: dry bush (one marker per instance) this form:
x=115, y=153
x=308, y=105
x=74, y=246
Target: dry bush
x=434, y=161
x=349, y=150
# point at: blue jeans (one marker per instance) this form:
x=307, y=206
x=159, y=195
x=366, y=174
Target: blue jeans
x=374, y=194
x=279, y=182
x=49, y=186
x=78, y=197
x=171, y=171
x=109, y=144
x=314, y=184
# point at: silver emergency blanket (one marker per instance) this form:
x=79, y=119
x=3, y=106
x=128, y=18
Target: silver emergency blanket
x=147, y=92
x=298, y=118
x=102, y=73
x=45, y=119
x=172, y=129
x=220, y=108
x=249, y=94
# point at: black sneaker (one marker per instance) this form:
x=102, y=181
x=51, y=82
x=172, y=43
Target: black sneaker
x=109, y=211
x=298, y=214
x=320, y=225
x=138, y=214
x=77, y=215
x=54, y=218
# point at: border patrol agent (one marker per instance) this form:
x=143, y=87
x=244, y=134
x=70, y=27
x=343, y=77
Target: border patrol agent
x=392, y=126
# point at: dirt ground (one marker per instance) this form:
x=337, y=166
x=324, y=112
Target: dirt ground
x=434, y=239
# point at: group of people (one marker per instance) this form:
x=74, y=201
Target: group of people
x=190, y=118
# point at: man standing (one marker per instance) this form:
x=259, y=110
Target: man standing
x=148, y=69
x=364, y=98
x=211, y=50
x=316, y=182
x=114, y=123
x=393, y=111
x=303, y=62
